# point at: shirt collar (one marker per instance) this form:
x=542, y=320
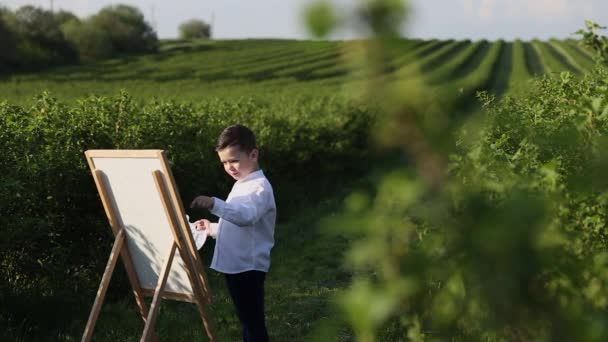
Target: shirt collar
x=255, y=174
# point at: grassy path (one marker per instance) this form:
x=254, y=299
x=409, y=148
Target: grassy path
x=460, y=92
x=552, y=61
x=520, y=75
x=575, y=54
x=533, y=61
x=452, y=67
x=498, y=83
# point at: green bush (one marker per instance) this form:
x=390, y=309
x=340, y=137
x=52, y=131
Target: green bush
x=194, y=28
x=508, y=242
x=597, y=43
x=537, y=170
x=493, y=231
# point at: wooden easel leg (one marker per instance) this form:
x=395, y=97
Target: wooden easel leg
x=139, y=296
x=103, y=287
x=198, y=281
x=201, y=299
x=207, y=324
x=155, y=306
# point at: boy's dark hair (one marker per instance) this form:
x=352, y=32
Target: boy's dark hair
x=236, y=135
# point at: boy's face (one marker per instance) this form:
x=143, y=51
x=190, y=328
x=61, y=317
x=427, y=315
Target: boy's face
x=238, y=163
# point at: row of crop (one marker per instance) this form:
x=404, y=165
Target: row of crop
x=239, y=54
x=533, y=61
x=284, y=57
x=444, y=60
x=429, y=60
x=283, y=67
x=450, y=67
x=208, y=62
x=353, y=54
x=553, y=62
x=460, y=91
x=520, y=74
x=226, y=59
x=464, y=73
x=503, y=72
x=441, y=60
x=575, y=55
x=418, y=52
x=230, y=69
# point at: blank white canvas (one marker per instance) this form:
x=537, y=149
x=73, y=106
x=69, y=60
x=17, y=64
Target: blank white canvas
x=138, y=205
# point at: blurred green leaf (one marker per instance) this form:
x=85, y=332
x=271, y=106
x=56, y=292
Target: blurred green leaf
x=320, y=18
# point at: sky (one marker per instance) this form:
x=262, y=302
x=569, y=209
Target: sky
x=442, y=19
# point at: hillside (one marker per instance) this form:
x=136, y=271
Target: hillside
x=191, y=71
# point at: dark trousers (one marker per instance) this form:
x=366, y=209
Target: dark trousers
x=247, y=292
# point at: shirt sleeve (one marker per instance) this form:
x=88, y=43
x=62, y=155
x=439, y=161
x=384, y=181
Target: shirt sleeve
x=213, y=229
x=243, y=210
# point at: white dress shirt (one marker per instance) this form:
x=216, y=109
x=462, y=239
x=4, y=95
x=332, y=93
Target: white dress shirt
x=245, y=232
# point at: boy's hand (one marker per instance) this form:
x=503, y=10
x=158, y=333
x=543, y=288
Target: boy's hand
x=202, y=202
x=203, y=225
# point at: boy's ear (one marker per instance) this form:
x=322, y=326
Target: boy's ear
x=254, y=154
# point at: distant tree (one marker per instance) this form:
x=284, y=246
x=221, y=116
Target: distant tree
x=5, y=37
x=128, y=30
x=5, y=14
x=62, y=17
x=40, y=39
x=38, y=24
x=32, y=37
x=91, y=41
x=8, y=55
x=194, y=28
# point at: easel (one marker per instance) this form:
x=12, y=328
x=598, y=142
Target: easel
x=183, y=242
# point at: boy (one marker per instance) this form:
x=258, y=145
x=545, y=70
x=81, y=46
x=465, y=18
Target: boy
x=245, y=231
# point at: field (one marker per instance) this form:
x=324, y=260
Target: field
x=300, y=87
x=274, y=69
